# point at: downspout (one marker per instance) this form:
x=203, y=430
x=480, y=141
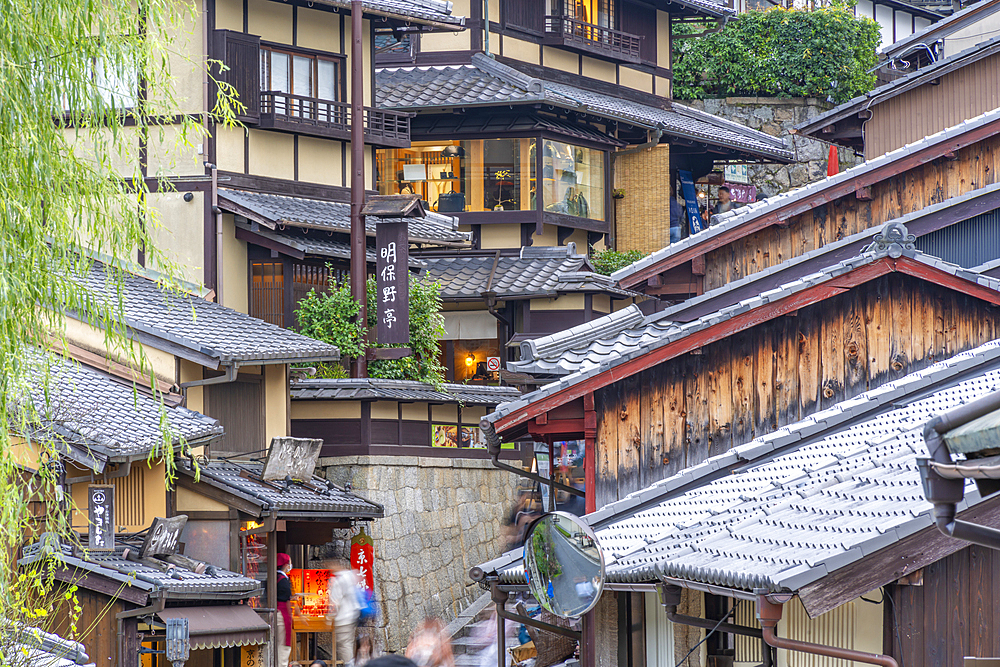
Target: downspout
x=217, y=212
x=769, y=613
x=670, y=597
x=946, y=493
x=493, y=446
x=486, y=24
x=232, y=371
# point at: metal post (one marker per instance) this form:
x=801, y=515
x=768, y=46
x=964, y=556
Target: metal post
x=359, y=264
x=552, y=475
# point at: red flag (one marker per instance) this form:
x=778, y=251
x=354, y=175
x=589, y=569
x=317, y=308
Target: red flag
x=832, y=162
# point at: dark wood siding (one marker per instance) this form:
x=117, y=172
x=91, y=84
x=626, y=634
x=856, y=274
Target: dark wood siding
x=524, y=15
x=678, y=413
x=241, y=54
x=239, y=407
x=974, y=167
x=954, y=613
x=641, y=21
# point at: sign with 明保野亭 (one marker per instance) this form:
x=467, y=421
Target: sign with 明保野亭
x=392, y=283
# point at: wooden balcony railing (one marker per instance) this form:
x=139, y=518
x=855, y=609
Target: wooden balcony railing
x=594, y=38
x=326, y=118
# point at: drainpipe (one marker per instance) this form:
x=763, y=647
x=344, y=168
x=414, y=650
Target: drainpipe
x=946, y=493
x=670, y=597
x=229, y=376
x=217, y=212
x=486, y=21
x=769, y=613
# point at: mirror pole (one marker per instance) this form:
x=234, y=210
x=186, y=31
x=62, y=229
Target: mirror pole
x=500, y=598
x=552, y=475
x=588, y=640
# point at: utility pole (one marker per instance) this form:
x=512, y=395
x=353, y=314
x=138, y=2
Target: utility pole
x=359, y=264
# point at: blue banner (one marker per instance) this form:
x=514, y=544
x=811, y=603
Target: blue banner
x=691, y=199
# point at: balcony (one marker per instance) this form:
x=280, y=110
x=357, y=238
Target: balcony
x=573, y=34
x=325, y=118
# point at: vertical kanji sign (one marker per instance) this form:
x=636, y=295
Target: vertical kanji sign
x=392, y=282
x=363, y=559
x=101, y=514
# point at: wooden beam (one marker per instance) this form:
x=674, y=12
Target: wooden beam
x=864, y=194
x=567, y=427
x=799, y=206
x=889, y=564
x=933, y=275
x=696, y=340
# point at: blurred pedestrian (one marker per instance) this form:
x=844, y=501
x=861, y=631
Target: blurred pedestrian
x=343, y=609
x=365, y=650
x=429, y=647
x=283, y=632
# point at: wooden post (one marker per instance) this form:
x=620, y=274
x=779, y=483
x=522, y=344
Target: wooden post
x=590, y=452
x=359, y=260
x=272, y=586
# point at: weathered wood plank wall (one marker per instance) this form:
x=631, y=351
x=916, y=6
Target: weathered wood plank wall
x=974, y=167
x=954, y=613
x=679, y=413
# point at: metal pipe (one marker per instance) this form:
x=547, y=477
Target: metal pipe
x=769, y=613
x=359, y=263
x=486, y=22
x=945, y=493
x=500, y=598
x=536, y=477
x=229, y=376
x=670, y=597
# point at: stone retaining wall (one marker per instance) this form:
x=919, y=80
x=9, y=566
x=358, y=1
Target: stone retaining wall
x=776, y=116
x=442, y=517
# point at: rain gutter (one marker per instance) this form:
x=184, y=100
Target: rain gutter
x=670, y=597
x=946, y=493
x=769, y=607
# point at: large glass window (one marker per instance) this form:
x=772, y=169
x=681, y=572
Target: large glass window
x=496, y=175
x=573, y=180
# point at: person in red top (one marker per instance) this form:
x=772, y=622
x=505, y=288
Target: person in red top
x=283, y=633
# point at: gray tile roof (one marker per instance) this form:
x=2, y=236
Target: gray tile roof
x=210, y=331
x=214, y=583
x=976, y=11
x=325, y=501
x=317, y=244
x=101, y=418
x=400, y=390
x=38, y=648
x=487, y=82
x=280, y=210
x=795, y=505
x=785, y=202
x=535, y=272
x=899, y=86
x=434, y=12
x=624, y=337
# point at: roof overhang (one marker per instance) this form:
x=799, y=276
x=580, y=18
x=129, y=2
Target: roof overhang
x=811, y=197
x=517, y=422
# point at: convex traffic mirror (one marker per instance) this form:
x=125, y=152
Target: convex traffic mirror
x=564, y=564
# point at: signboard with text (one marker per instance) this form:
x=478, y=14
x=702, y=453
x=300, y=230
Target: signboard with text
x=363, y=559
x=690, y=200
x=101, y=514
x=291, y=457
x=736, y=173
x=392, y=279
x=163, y=536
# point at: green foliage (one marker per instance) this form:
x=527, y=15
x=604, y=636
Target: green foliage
x=330, y=317
x=72, y=127
x=607, y=262
x=825, y=52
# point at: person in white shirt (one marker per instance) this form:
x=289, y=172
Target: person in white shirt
x=344, y=609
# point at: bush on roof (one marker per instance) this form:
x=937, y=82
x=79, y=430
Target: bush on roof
x=825, y=52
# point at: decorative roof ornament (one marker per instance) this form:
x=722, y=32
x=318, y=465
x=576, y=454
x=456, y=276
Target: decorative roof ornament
x=894, y=239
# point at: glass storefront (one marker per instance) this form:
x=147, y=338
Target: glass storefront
x=496, y=175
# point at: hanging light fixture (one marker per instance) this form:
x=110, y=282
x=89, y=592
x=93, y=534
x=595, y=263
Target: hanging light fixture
x=470, y=360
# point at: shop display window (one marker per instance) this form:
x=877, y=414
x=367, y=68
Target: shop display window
x=496, y=175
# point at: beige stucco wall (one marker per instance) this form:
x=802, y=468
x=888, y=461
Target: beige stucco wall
x=320, y=30
x=271, y=20
x=173, y=152
x=277, y=422
x=272, y=154
x=633, y=78
x=321, y=161
x=187, y=500
x=662, y=39
x=88, y=337
x=601, y=70
x=559, y=59
x=500, y=236
x=229, y=147
x=190, y=371
x=179, y=233
x=235, y=283
x=528, y=52
x=565, y=302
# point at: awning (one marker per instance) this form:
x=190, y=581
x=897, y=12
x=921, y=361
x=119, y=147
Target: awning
x=221, y=627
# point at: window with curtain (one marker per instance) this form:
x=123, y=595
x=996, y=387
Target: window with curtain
x=312, y=77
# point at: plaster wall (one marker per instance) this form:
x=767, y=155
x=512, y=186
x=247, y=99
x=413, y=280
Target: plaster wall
x=442, y=517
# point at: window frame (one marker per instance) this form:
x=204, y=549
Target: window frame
x=339, y=60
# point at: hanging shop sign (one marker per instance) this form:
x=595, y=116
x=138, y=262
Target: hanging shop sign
x=363, y=559
x=743, y=194
x=736, y=173
x=101, y=514
x=691, y=200
x=163, y=536
x=392, y=294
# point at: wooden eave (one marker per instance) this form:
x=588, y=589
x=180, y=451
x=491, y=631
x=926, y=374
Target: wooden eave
x=726, y=328
x=785, y=213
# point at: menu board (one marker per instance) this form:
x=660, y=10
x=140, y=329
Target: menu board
x=312, y=585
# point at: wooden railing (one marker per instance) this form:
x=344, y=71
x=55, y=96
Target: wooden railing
x=594, y=37
x=329, y=118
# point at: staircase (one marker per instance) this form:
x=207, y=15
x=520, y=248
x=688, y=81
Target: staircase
x=470, y=622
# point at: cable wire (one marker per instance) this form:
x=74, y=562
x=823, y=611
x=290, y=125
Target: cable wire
x=707, y=635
